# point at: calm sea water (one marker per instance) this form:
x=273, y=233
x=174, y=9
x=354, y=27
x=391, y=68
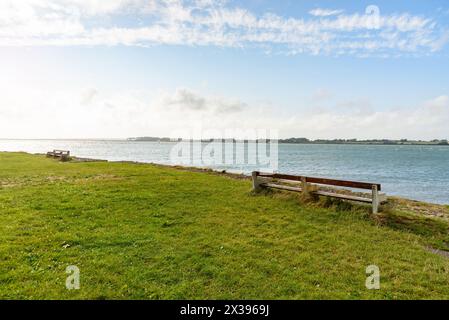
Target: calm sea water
x=415, y=172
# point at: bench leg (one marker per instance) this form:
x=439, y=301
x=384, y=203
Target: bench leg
x=304, y=186
x=375, y=199
x=256, y=184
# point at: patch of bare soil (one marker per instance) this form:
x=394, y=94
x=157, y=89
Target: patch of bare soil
x=78, y=159
x=438, y=252
x=33, y=181
x=98, y=177
x=9, y=183
x=421, y=208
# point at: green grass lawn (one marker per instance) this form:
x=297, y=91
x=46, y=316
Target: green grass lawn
x=151, y=232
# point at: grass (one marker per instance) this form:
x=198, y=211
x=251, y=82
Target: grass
x=152, y=232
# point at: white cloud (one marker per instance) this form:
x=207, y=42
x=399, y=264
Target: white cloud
x=440, y=103
x=88, y=96
x=185, y=99
x=79, y=22
x=319, y=12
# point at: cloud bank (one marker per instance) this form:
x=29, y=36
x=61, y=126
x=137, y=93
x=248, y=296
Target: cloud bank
x=96, y=114
x=215, y=23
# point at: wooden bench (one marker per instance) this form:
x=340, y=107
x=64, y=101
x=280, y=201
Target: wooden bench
x=312, y=184
x=64, y=155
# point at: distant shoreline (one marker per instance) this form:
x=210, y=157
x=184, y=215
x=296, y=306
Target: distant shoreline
x=435, y=142
x=384, y=142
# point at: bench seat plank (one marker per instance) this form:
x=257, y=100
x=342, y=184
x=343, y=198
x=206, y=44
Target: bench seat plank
x=278, y=186
x=344, y=196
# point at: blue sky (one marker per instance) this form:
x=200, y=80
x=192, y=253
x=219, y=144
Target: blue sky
x=317, y=69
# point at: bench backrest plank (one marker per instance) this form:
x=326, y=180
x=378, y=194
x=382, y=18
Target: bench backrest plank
x=61, y=151
x=333, y=182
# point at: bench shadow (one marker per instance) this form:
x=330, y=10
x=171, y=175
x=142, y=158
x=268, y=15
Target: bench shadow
x=434, y=231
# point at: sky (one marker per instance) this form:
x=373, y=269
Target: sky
x=315, y=69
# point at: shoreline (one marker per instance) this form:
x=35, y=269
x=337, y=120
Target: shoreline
x=425, y=208
x=416, y=206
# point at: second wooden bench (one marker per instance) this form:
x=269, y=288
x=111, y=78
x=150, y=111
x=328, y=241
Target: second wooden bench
x=64, y=155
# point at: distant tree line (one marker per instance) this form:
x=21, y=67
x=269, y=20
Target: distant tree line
x=366, y=141
x=316, y=141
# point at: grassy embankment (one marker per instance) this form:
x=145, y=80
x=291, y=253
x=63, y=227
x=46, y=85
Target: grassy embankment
x=146, y=231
